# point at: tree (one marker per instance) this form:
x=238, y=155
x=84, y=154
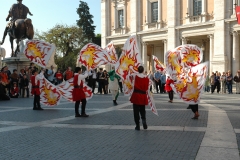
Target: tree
x=68, y=40
x=85, y=21
x=97, y=39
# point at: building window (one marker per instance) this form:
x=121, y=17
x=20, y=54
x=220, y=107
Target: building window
x=154, y=10
x=120, y=18
x=197, y=7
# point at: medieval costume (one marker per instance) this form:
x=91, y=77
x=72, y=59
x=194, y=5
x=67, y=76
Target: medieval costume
x=3, y=95
x=194, y=108
x=139, y=97
x=78, y=93
x=14, y=91
x=35, y=80
x=168, y=88
x=113, y=85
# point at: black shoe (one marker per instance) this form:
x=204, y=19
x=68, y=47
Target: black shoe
x=78, y=115
x=84, y=115
x=144, y=124
x=137, y=128
x=40, y=109
x=34, y=108
x=114, y=103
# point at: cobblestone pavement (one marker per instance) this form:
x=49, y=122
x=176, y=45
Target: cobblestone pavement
x=109, y=132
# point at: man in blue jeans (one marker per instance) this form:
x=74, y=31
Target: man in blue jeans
x=157, y=79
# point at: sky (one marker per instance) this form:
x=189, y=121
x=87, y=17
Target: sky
x=48, y=13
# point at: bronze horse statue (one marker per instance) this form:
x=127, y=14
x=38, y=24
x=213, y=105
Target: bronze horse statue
x=23, y=29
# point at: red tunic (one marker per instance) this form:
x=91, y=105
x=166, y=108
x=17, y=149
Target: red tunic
x=168, y=88
x=59, y=76
x=69, y=74
x=35, y=87
x=139, y=95
x=78, y=93
x=14, y=90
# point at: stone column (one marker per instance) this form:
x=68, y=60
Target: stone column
x=204, y=10
x=184, y=40
x=235, y=52
x=164, y=50
x=233, y=9
x=144, y=54
x=147, y=8
x=134, y=16
x=211, y=47
x=103, y=22
x=160, y=14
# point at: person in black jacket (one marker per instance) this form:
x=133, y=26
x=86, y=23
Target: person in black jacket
x=24, y=85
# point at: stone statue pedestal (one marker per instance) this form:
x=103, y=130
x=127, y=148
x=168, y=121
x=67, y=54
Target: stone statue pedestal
x=19, y=62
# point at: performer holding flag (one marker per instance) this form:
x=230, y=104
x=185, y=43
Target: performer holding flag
x=78, y=93
x=139, y=97
x=35, y=80
x=113, y=85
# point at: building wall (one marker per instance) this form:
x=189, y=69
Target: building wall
x=216, y=29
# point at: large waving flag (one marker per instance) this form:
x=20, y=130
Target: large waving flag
x=50, y=95
x=127, y=65
x=39, y=52
x=158, y=65
x=183, y=66
x=93, y=56
x=66, y=89
x=112, y=55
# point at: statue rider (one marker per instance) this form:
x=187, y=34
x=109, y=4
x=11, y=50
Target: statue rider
x=17, y=11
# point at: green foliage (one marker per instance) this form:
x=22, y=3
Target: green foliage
x=85, y=21
x=68, y=40
x=118, y=51
x=97, y=39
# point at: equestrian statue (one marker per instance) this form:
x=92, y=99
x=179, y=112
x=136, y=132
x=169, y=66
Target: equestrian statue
x=20, y=27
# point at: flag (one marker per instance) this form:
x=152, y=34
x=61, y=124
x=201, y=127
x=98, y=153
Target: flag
x=183, y=66
x=92, y=56
x=158, y=66
x=237, y=10
x=66, y=89
x=50, y=95
x=39, y=52
x=112, y=55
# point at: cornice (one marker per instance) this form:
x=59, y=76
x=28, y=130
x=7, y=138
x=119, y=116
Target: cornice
x=195, y=25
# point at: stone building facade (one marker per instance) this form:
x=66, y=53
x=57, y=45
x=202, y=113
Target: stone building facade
x=161, y=25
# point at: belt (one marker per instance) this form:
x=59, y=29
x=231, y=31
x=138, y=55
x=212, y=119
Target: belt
x=139, y=91
x=77, y=87
x=35, y=86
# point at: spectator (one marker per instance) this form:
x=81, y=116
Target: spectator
x=59, y=77
x=3, y=95
x=229, y=82
x=217, y=82
x=68, y=74
x=212, y=82
x=101, y=84
x=157, y=77
x=223, y=83
x=105, y=76
x=207, y=84
x=94, y=80
x=14, y=77
x=50, y=74
x=163, y=82
x=14, y=90
x=237, y=80
x=24, y=86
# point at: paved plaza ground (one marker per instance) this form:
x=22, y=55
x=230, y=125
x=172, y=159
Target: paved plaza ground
x=109, y=132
